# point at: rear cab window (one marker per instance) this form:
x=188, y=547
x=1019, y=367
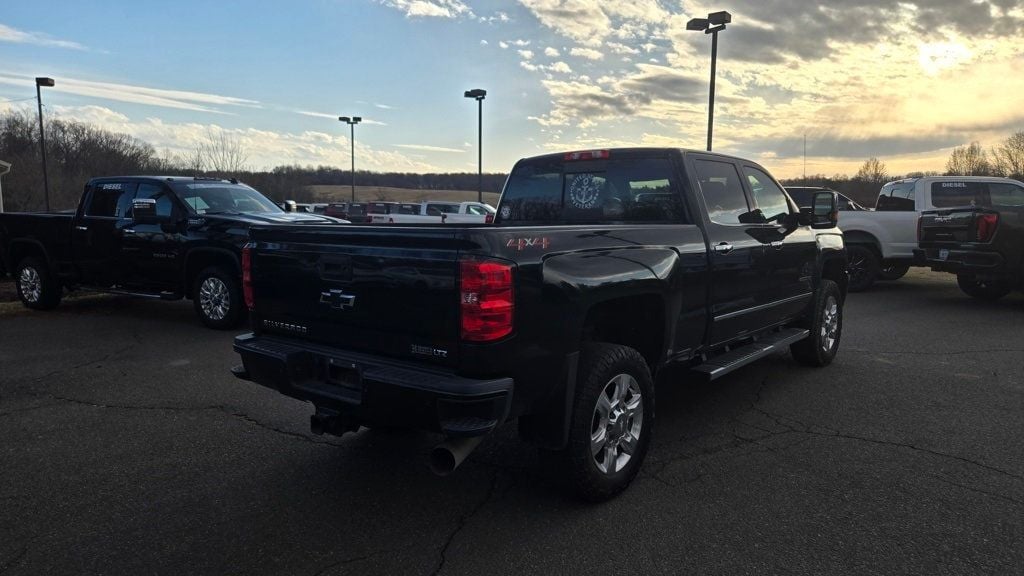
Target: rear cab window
x=954, y=194
x=560, y=189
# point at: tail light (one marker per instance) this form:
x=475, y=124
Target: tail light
x=247, y=277
x=920, y=228
x=986, y=226
x=487, y=300
x=489, y=219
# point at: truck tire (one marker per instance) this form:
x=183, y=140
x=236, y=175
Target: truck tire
x=826, y=326
x=990, y=290
x=863, y=267
x=612, y=421
x=36, y=287
x=217, y=297
x=893, y=271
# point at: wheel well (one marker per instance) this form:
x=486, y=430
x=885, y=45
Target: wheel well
x=864, y=239
x=834, y=269
x=635, y=321
x=199, y=261
x=21, y=250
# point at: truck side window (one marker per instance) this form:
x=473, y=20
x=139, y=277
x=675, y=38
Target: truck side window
x=900, y=199
x=768, y=196
x=111, y=200
x=1006, y=194
x=164, y=204
x=722, y=190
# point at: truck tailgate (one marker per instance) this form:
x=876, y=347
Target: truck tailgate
x=948, y=226
x=390, y=290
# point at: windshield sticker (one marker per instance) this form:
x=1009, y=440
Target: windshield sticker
x=111, y=186
x=506, y=212
x=584, y=191
x=954, y=185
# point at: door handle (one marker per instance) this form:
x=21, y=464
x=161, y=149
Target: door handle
x=723, y=248
x=82, y=228
x=777, y=244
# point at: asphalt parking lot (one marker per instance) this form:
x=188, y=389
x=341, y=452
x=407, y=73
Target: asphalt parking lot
x=126, y=447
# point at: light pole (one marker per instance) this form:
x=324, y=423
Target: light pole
x=479, y=95
x=40, y=82
x=352, y=124
x=713, y=24
x=5, y=167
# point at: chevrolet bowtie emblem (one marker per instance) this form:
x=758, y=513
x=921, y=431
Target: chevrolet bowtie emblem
x=337, y=299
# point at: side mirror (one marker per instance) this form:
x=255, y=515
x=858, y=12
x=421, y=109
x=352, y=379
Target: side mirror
x=290, y=206
x=144, y=211
x=825, y=210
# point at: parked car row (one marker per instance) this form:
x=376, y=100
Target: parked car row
x=430, y=212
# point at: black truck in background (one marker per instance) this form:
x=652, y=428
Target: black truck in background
x=601, y=269
x=978, y=234
x=157, y=237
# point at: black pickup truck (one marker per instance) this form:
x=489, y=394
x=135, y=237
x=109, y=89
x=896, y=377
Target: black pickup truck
x=158, y=237
x=601, y=269
x=979, y=237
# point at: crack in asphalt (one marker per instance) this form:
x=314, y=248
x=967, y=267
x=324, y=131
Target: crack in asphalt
x=980, y=491
x=216, y=408
x=463, y=520
x=354, y=559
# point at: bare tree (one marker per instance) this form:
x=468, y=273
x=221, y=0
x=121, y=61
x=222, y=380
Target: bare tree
x=1008, y=158
x=970, y=160
x=874, y=171
x=219, y=152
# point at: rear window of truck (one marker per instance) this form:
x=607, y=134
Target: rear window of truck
x=985, y=194
x=634, y=190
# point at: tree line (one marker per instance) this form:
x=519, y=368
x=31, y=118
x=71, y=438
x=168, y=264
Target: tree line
x=77, y=151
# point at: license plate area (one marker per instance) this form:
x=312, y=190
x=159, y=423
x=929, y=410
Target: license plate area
x=336, y=378
x=944, y=254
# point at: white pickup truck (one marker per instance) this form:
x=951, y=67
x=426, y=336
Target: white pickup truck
x=436, y=213
x=880, y=243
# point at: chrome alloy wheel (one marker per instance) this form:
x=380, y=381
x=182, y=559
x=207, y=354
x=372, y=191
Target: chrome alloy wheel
x=214, y=298
x=31, y=284
x=829, y=324
x=616, y=425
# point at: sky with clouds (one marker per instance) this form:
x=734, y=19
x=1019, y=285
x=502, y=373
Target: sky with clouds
x=903, y=80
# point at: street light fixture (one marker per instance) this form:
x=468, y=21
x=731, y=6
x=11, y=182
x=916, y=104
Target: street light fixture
x=479, y=94
x=713, y=24
x=49, y=83
x=352, y=124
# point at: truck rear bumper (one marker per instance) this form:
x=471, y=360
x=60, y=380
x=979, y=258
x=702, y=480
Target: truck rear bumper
x=960, y=261
x=374, y=390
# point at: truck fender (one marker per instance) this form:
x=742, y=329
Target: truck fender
x=220, y=254
x=36, y=245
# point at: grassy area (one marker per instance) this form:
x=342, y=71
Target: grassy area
x=325, y=193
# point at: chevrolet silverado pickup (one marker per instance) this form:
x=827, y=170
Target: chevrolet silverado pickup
x=977, y=234
x=155, y=237
x=601, y=269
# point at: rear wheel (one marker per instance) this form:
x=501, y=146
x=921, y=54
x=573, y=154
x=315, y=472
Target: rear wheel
x=826, y=326
x=217, y=298
x=612, y=421
x=863, y=267
x=983, y=289
x=37, y=288
x=893, y=271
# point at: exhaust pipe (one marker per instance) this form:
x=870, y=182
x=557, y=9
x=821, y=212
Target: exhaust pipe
x=446, y=456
